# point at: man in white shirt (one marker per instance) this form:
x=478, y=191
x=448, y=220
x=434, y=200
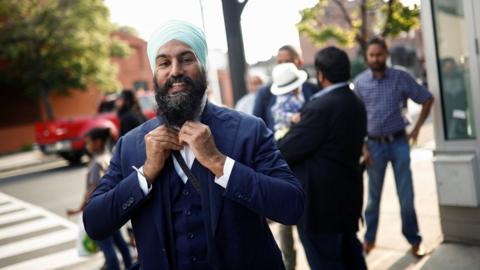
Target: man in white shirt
x=245, y=104
x=198, y=181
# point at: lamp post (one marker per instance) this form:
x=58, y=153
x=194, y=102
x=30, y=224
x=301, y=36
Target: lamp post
x=232, y=11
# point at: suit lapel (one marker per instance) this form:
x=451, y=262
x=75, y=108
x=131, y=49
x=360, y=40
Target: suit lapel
x=160, y=190
x=165, y=208
x=224, y=133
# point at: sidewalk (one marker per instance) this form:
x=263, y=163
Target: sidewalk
x=25, y=159
x=392, y=251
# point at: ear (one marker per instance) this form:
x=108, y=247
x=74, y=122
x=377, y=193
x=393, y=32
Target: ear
x=319, y=76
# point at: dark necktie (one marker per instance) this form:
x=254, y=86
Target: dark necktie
x=192, y=178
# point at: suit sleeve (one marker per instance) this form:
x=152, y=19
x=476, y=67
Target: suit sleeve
x=114, y=201
x=304, y=138
x=268, y=187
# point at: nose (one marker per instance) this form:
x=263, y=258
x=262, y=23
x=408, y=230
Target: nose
x=177, y=68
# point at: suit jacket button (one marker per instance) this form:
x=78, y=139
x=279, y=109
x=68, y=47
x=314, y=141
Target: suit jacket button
x=124, y=206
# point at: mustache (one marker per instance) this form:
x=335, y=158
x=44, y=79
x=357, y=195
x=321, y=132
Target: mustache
x=178, y=79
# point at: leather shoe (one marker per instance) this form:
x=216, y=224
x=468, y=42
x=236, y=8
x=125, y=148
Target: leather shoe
x=418, y=250
x=368, y=246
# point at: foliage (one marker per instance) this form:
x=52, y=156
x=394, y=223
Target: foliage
x=57, y=45
x=128, y=29
x=358, y=21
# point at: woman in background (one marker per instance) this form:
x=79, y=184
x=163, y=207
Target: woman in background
x=129, y=111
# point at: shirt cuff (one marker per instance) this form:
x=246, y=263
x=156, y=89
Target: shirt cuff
x=142, y=181
x=227, y=170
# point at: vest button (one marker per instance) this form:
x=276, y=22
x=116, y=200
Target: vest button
x=194, y=259
x=188, y=212
x=190, y=235
x=186, y=192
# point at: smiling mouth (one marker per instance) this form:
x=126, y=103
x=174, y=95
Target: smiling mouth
x=178, y=87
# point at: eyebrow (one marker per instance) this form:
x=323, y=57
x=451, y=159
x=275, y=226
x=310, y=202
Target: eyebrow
x=179, y=55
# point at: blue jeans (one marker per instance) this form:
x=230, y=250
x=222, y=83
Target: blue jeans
x=333, y=251
x=398, y=153
x=108, y=250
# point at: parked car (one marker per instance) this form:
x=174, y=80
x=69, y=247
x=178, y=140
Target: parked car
x=65, y=137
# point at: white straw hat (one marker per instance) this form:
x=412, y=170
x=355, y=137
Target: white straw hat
x=287, y=77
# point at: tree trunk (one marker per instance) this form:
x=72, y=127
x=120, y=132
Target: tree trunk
x=385, y=31
x=232, y=11
x=47, y=103
x=364, y=29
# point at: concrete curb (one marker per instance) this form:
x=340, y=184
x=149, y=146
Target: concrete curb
x=26, y=159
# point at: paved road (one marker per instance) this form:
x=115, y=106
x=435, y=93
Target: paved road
x=54, y=189
x=34, y=233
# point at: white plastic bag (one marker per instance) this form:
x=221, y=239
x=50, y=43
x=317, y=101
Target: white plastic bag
x=85, y=245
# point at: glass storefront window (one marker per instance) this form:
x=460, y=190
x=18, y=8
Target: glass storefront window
x=454, y=70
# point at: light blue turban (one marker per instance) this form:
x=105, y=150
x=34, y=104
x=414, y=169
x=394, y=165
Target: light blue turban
x=181, y=31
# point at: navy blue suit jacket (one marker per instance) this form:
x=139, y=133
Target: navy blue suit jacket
x=265, y=100
x=261, y=186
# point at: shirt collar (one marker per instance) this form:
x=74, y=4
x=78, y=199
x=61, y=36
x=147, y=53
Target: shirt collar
x=328, y=89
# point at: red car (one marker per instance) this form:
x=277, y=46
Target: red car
x=65, y=137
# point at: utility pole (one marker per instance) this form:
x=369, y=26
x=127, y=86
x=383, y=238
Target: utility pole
x=232, y=13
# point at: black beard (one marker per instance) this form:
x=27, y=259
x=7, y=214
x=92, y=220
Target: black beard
x=378, y=67
x=183, y=106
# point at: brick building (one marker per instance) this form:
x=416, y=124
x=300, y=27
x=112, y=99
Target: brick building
x=18, y=115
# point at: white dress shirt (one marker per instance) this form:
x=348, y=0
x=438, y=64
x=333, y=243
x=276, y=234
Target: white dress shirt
x=189, y=157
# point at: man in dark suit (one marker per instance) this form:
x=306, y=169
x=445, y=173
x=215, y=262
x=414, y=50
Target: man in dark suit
x=265, y=100
x=199, y=181
x=324, y=151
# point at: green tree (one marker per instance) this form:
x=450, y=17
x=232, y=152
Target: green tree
x=359, y=21
x=128, y=29
x=57, y=45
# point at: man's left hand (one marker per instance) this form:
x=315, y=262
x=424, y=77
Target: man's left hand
x=199, y=137
x=413, y=136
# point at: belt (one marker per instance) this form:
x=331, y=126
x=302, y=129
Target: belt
x=388, y=138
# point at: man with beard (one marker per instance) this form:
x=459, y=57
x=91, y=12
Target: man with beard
x=198, y=181
x=385, y=92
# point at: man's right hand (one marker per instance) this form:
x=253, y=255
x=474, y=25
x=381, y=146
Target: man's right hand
x=158, y=143
x=367, y=157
